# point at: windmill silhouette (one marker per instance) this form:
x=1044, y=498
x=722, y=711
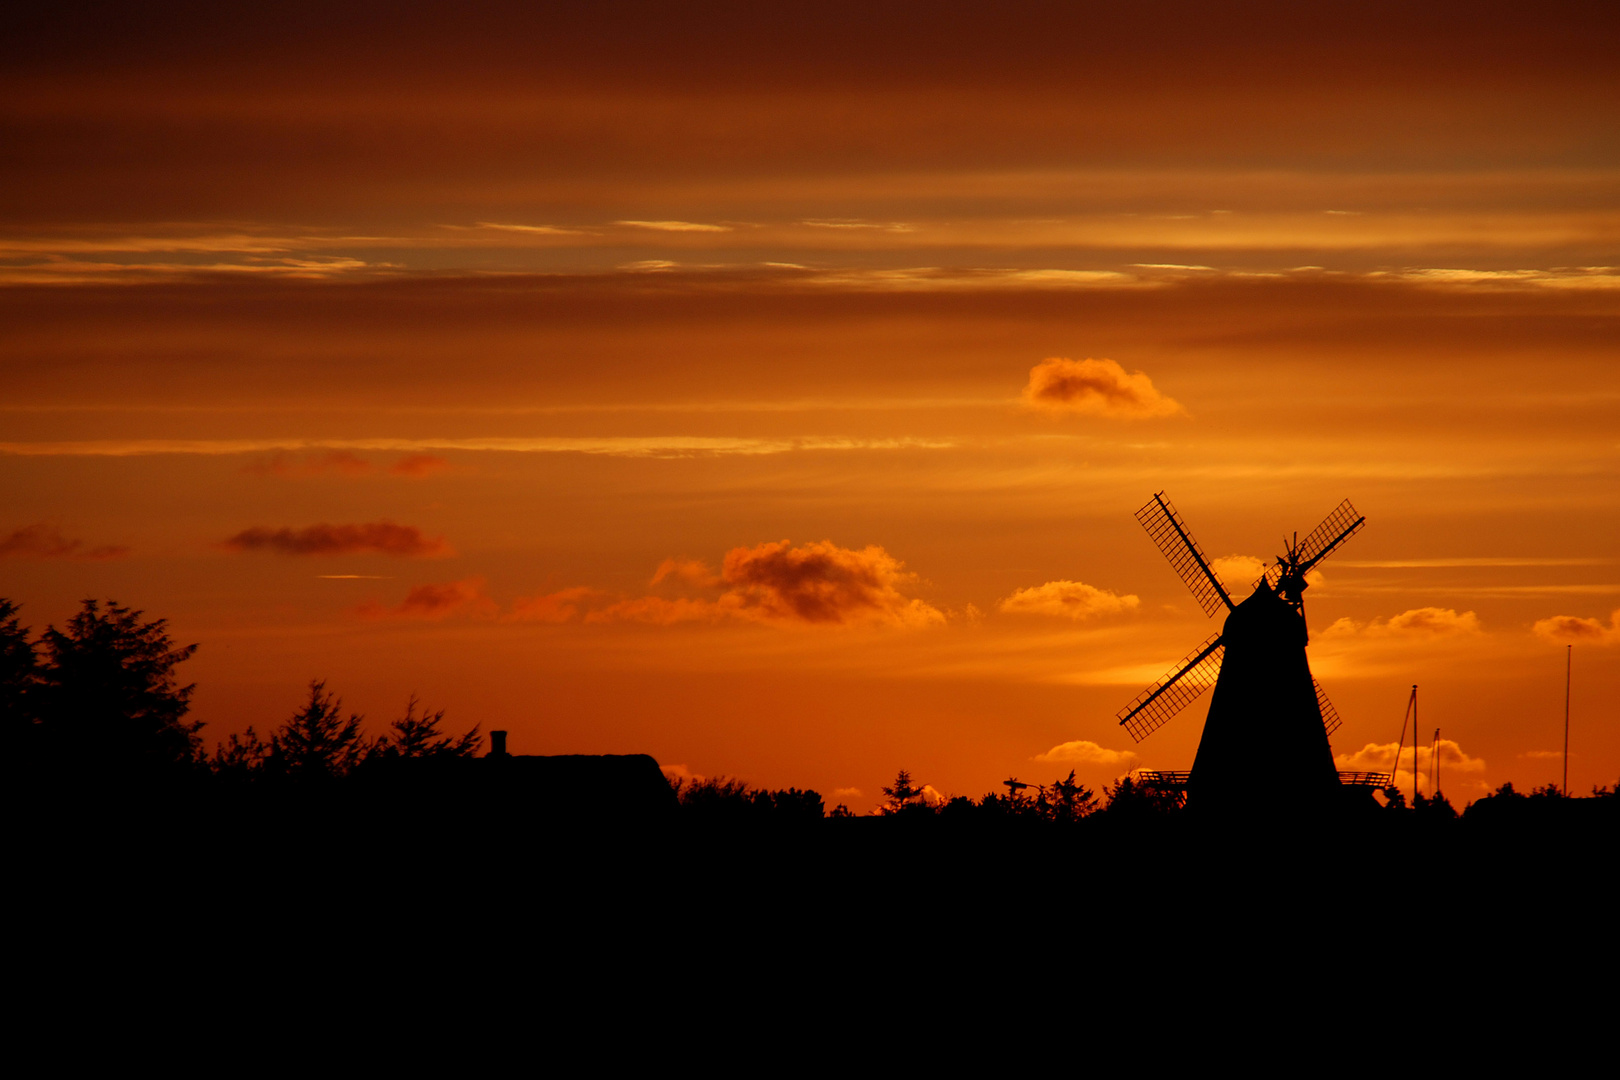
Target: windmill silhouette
x=1266, y=735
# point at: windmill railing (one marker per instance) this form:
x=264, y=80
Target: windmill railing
x=1177, y=781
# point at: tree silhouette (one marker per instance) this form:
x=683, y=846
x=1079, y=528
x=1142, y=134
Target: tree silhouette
x=1066, y=801
x=414, y=736
x=901, y=794
x=18, y=668
x=1131, y=799
x=1434, y=807
x=108, y=695
x=241, y=757
x=317, y=744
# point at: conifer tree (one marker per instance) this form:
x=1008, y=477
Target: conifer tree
x=318, y=743
x=107, y=695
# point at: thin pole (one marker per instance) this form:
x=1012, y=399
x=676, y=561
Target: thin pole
x=1569, y=660
x=1434, y=766
x=1401, y=745
x=1414, y=746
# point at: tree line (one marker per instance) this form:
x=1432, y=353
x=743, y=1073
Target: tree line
x=100, y=698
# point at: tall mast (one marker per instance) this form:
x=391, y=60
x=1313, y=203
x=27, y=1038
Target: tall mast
x=1414, y=745
x=1569, y=660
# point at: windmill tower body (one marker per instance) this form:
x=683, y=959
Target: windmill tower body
x=1264, y=737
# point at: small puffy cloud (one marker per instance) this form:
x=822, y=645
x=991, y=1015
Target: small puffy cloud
x=1095, y=387
x=564, y=605
x=1068, y=600
x=1380, y=757
x=1241, y=571
x=418, y=465
x=1432, y=622
x=820, y=583
x=44, y=541
x=1574, y=630
x=680, y=773
x=844, y=794
x=1425, y=622
x=377, y=537
x=1085, y=752
x=1238, y=568
x=436, y=601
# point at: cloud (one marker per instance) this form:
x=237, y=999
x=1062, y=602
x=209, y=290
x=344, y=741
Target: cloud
x=1574, y=630
x=676, y=226
x=377, y=537
x=1380, y=757
x=44, y=541
x=844, y=794
x=659, y=611
x=820, y=583
x=1096, y=387
x=544, y=230
x=342, y=462
x=1085, y=752
x=1543, y=755
x=817, y=584
x=634, y=446
x=857, y=223
x=1067, y=599
x=436, y=601
x=688, y=571
x=1245, y=570
x=564, y=605
x=1424, y=622
x=418, y=465
x=680, y=772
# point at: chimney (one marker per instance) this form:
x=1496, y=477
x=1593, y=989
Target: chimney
x=497, y=744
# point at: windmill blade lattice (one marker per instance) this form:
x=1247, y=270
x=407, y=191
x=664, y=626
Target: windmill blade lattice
x=1330, y=715
x=1339, y=526
x=1170, y=533
x=1178, y=689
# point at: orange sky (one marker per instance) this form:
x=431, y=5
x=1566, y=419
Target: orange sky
x=551, y=368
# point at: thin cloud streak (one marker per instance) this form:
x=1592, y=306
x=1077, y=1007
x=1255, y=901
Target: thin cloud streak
x=43, y=541
x=374, y=537
x=675, y=226
x=626, y=446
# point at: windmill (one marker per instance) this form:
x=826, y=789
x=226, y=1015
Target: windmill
x=1269, y=720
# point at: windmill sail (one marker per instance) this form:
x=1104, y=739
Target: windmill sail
x=1336, y=528
x=1170, y=533
x=1178, y=689
x=1330, y=715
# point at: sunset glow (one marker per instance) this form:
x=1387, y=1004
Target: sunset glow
x=769, y=389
